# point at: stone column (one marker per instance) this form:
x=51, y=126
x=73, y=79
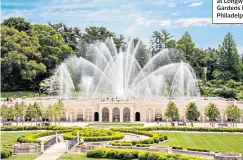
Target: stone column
x=100, y=114
x=75, y=115
x=121, y=114
x=131, y=114
x=110, y=115
x=84, y=115
x=42, y=146
x=66, y=116
x=56, y=138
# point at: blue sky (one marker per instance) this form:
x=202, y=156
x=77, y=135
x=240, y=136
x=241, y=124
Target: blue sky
x=132, y=18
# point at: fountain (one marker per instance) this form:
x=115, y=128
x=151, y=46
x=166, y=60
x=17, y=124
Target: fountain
x=105, y=72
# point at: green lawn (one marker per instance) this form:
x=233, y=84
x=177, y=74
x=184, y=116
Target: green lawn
x=19, y=94
x=11, y=138
x=77, y=157
x=23, y=157
x=117, y=124
x=211, y=141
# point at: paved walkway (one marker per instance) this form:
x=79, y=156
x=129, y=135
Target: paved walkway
x=54, y=152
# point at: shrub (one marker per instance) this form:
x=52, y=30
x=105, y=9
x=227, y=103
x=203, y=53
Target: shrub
x=121, y=144
x=181, y=128
x=90, y=135
x=136, y=154
x=196, y=149
x=5, y=153
x=142, y=145
x=175, y=147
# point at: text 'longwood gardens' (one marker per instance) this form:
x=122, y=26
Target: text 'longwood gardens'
x=228, y=11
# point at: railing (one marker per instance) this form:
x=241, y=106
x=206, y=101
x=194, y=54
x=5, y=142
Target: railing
x=72, y=143
x=49, y=143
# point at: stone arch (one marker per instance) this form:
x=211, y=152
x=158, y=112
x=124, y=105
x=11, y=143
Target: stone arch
x=116, y=115
x=105, y=115
x=137, y=116
x=63, y=118
x=158, y=115
x=71, y=115
x=80, y=115
x=149, y=115
x=126, y=114
x=88, y=115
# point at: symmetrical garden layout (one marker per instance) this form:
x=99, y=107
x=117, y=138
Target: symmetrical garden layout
x=178, y=138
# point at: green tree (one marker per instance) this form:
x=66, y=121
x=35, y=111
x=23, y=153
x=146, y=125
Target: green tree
x=160, y=40
x=30, y=113
x=18, y=23
x=93, y=34
x=47, y=113
x=233, y=113
x=172, y=111
x=20, y=60
x=33, y=112
x=58, y=110
x=229, y=63
x=20, y=109
x=142, y=54
x=4, y=112
x=120, y=42
x=70, y=35
x=187, y=46
x=192, y=112
x=212, y=112
x=52, y=47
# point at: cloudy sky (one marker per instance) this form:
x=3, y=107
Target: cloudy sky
x=132, y=18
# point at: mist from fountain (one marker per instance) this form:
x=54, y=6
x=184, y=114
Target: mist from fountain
x=105, y=72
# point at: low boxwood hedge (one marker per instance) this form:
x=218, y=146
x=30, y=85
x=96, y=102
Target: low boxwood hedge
x=90, y=135
x=5, y=153
x=155, y=137
x=142, y=145
x=21, y=128
x=32, y=137
x=180, y=128
x=121, y=144
x=136, y=154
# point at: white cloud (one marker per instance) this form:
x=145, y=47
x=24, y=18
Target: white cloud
x=189, y=22
x=172, y=5
x=174, y=14
x=195, y=4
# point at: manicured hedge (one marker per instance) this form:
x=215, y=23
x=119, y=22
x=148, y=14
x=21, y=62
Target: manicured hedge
x=180, y=128
x=155, y=137
x=32, y=137
x=142, y=145
x=21, y=128
x=5, y=153
x=90, y=135
x=196, y=149
x=136, y=154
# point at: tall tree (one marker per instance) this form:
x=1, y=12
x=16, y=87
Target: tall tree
x=233, y=113
x=4, y=112
x=187, y=46
x=52, y=47
x=18, y=23
x=212, y=112
x=229, y=63
x=172, y=111
x=20, y=60
x=192, y=113
x=160, y=40
x=70, y=35
x=20, y=109
x=142, y=53
x=120, y=42
x=59, y=109
x=93, y=34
